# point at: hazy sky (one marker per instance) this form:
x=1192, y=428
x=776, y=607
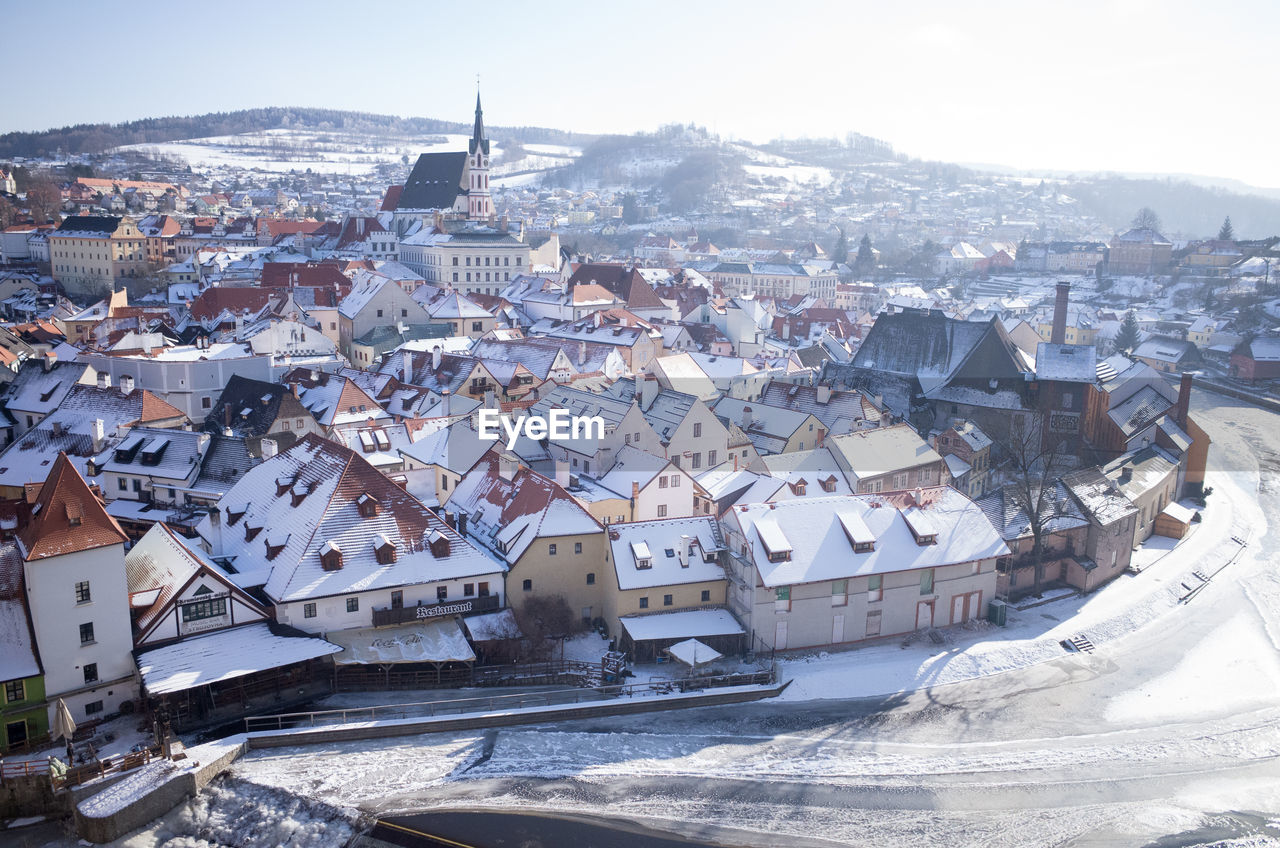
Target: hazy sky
x=1126, y=85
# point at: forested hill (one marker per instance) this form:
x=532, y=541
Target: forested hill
x=96, y=138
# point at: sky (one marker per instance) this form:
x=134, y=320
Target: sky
x=1127, y=85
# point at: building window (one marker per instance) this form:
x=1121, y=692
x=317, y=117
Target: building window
x=527, y=586
x=82, y=592
x=667, y=600
x=711, y=458
x=124, y=484
x=442, y=594
x=644, y=603
x=926, y=582
x=577, y=547
x=839, y=593
x=706, y=596
x=697, y=430
x=90, y=672
x=204, y=609
x=93, y=708
x=86, y=633
x=782, y=599
x=873, y=623
x=875, y=588
x=308, y=610
x=397, y=599
x=551, y=549
x=14, y=691
x=353, y=605
x=697, y=460
x=591, y=578
x=662, y=482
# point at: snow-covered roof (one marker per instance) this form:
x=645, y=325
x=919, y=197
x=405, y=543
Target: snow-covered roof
x=871, y=453
x=684, y=624
x=674, y=551
x=437, y=640
x=817, y=545
x=224, y=655
x=1066, y=363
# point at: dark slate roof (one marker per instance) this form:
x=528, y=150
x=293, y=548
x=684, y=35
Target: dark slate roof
x=260, y=399
x=90, y=224
x=227, y=460
x=926, y=342
x=621, y=281
x=435, y=181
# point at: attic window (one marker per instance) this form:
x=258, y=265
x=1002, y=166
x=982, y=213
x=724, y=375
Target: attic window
x=439, y=544
x=366, y=441
x=283, y=484
x=298, y=493
x=800, y=488
x=368, y=505
x=235, y=512
x=384, y=549
x=276, y=542
x=829, y=484
x=640, y=553
x=74, y=515
x=330, y=556
x=251, y=532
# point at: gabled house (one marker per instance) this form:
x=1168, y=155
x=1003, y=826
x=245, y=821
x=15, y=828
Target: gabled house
x=253, y=409
x=887, y=459
x=826, y=571
x=77, y=592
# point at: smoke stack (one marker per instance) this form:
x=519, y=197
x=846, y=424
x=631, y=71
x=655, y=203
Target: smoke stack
x=1184, y=401
x=1060, y=314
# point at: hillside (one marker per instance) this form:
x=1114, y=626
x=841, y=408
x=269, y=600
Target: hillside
x=98, y=138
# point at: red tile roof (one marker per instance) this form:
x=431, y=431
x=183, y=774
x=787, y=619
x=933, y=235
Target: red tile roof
x=67, y=517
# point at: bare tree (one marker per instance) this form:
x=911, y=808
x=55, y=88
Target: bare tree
x=543, y=620
x=1147, y=219
x=1033, y=463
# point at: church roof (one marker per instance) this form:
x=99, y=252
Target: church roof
x=435, y=182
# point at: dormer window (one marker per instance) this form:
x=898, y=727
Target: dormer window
x=368, y=505
x=235, y=512
x=384, y=550
x=276, y=542
x=439, y=544
x=283, y=484
x=330, y=556
x=641, y=554
x=250, y=531
x=298, y=493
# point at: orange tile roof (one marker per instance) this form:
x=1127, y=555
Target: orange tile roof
x=156, y=409
x=67, y=517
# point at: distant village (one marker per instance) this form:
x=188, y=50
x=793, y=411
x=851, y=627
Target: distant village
x=242, y=464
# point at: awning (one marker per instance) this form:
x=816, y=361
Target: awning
x=428, y=641
x=693, y=653
x=493, y=626
x=682, y=625
x=224, y=655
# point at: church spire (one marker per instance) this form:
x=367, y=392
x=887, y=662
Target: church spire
x=478, y=140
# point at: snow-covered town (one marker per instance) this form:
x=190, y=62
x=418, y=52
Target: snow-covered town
x=372, y=481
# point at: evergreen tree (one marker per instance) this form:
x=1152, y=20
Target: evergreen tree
x=630, y=210
x=840, y=252
x=1127, y=338
x=1022, y=250
x=866, y=261
x=1226, y=233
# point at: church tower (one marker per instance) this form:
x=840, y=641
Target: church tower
x=479, y=203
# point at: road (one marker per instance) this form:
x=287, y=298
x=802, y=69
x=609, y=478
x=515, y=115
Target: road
x=1168, y=736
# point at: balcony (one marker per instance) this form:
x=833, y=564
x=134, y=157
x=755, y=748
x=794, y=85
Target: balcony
x=425, y=612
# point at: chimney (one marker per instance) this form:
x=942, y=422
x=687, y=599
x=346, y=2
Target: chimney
x=215, y=532
x=462, y=524
x=104, y=380
x=1060, y=314
x=1184, y=400
x=635, y=491
x=823, y=394
x=562, y=473
x=269, y=449
x=437, y=356
x=683, y=551
x=446, y=404
x=98, y=430
x=746, y=418
x=646, y=390
x=50, y=360
x=582, y=353
x=126, y=384
x=508, y=465
x=490, y=399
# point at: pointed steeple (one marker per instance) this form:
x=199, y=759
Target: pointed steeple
x=478, y=140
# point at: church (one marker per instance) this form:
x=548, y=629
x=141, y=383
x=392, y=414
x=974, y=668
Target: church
x=448, y=183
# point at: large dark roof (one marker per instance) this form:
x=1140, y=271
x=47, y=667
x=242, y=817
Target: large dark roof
x=917, y=342
x=621, y=281
x=90, y=224
x=260, y=399
x=435, y=182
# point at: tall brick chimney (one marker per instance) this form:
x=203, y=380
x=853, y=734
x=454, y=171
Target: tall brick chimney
x=1184, y=401
x=1060, y=314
